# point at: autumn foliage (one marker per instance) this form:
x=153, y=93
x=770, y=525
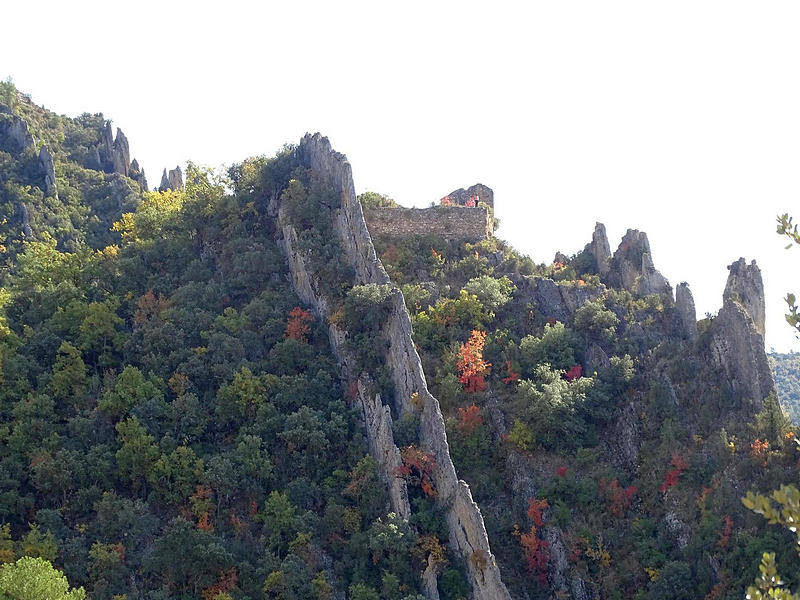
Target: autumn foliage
x=472, y=369
x=573, y=373
x=417, y=468
x=297, y=326
x=511, y=374
x=679, y=465
x=619, y=498
x=758, y=450
x=469, y=419
x=535, y=550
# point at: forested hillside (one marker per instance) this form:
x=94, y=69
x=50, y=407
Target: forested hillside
x=207, y=393
x=786, y=371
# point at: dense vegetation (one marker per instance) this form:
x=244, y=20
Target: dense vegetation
x=173, y=424
x=542, y=440
x=786, y=371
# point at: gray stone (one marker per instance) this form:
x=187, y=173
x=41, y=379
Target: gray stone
x=738, y=349
x=632, y=266
x=687, y=315
x=462, y=197
x=467, y=532
x=26, y=220
x=14, y=134
x=137, y=174
x=600, y=249
x=746, y=287
x=49, y=169
x=120, y=154
x=172, y=180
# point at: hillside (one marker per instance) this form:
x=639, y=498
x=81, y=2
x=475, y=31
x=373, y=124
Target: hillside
x=786, y=372
x=250, y=386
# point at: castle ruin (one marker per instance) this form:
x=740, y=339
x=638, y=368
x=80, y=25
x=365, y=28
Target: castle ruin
x=462, y=215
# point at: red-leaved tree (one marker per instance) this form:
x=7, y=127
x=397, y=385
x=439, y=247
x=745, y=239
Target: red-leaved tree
x=469, y=419
x=472, y=369
x=297, y=325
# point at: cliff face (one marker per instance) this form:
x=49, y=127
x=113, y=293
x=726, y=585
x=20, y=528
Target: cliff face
x=467, y=532
x=737, y=336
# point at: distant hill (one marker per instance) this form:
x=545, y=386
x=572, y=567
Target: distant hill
x=786, y=371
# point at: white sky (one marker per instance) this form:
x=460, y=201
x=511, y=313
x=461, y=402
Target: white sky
x=677, y=118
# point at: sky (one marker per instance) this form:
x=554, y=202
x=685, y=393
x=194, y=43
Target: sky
x=679, y=119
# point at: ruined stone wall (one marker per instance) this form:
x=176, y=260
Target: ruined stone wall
x=452, y=222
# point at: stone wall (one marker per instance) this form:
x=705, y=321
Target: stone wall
x=452, y=222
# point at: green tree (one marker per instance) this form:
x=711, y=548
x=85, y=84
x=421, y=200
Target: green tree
x=137, y=453
x=782, y=507
x=35, y=579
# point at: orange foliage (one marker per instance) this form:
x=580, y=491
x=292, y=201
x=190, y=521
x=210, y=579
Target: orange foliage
x=469, y=419
x=417, y=468
x=512, y=375
x=758, y=450
x=297, y=326
x=725, y=536
x=472, y=369
x=149, y=307
x=619, y=498
x=226, y=582
x=534, y=512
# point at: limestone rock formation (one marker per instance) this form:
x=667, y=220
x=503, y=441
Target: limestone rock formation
x=479, y=192
x=554, y=300
x=120, y=154
x=172, y=180
x=600, y=249
x=26, y=220
x=632, y=266
x=737, y=341
x=687, y=315
x=745, y=285
x=49, y=169
x=137, y=174
x=467, y=532
x=14, y=134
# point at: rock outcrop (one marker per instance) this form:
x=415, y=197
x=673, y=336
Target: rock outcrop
x=467, y=532
x=632, y=267
x=14, y=134
x=113, y=155
x=49, y=169
x=600, y=249
x=745, y=285
x=121, y=154
x=554, y=301
x=737, y=340
x=687, y=314
x=472, y=196
x=137, y=174
x=172, y=180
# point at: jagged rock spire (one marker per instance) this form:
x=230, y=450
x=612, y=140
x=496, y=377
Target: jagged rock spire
x=137, y=174
x=172, y=180
x=632, y=266
x=687, y=314
x=600, y=249
x=121, y=155
x=737, y=342
x=745, y=286
x=49, y=168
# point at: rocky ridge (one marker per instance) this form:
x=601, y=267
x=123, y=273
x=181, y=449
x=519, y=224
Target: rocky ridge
x=467, y=532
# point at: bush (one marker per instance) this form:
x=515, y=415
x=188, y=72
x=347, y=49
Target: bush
x=558, y=346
